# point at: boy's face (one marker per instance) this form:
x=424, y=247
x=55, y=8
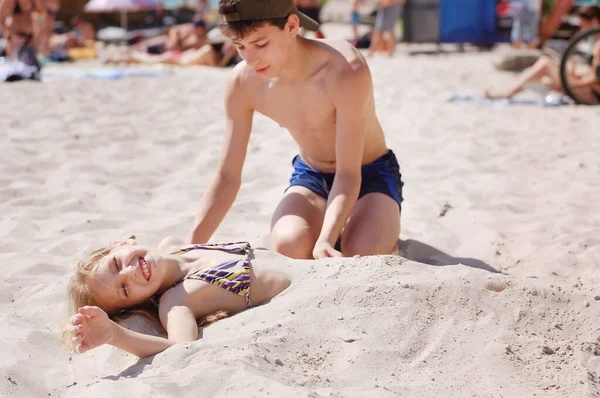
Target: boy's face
x=267, y=48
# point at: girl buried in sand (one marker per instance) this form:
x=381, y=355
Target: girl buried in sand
x=188, y=283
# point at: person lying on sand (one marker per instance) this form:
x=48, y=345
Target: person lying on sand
x=81, y=38
x=587, y=84
x=218, y=52
x=179, y=38
x=182, y=284
x=346, y=185
x=182, y=45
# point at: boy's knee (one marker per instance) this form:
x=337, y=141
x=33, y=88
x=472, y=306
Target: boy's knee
x=363, y=246
x=292, y=243
x=361, y=249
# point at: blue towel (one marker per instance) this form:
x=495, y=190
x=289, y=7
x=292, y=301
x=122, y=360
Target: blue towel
x=549, y=100
x=102, y=74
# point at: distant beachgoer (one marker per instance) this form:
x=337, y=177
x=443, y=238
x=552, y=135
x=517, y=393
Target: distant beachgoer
x=16, y=18
x=588, y=85
x=526, y=22
x=178, y=38
x=44, y=25
x=355, y=19
x=384, y=35
x=217, y=50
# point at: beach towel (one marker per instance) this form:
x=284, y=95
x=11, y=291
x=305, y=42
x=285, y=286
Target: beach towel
x=101, y=74
x=548, y=100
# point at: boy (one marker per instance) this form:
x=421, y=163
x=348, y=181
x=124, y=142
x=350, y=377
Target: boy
x=346, y=182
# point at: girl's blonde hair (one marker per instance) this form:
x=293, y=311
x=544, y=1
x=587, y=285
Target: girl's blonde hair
x=78, y=292
x=79, y=295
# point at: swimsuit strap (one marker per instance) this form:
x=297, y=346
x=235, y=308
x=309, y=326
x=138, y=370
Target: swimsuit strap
x=233, y=248
x=233, y=276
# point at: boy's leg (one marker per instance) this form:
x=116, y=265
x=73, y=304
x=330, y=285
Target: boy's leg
x=297, y=222
x=373, y=227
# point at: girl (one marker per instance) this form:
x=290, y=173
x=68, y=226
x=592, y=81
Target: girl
x=183, y=283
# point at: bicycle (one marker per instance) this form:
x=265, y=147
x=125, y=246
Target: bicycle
x=576, y=62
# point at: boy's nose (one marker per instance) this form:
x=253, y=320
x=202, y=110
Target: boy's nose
x=251, y=59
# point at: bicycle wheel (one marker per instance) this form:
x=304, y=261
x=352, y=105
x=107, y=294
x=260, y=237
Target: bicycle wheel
x=577, y=60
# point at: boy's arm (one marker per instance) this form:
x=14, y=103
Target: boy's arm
x=223, y=189
x=352, y=96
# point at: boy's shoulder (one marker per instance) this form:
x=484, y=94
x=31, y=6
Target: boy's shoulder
x=344, y=63
x=342, y=50
x=337, y=59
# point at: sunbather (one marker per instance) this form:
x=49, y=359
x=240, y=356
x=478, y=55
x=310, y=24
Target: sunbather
x=587, y=85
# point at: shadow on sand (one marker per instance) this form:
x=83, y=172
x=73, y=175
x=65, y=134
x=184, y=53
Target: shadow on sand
x=423, y=253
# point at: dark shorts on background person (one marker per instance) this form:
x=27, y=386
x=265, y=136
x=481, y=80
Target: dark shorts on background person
x=381, y=176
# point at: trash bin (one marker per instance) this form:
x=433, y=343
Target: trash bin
x=422, y=21
x=470, y=21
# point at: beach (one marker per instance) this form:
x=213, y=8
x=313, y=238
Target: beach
x=496, y=292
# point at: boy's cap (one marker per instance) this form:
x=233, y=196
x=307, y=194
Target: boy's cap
x=249, y=10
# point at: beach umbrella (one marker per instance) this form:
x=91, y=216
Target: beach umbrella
x=123, y=6
x=170, y=4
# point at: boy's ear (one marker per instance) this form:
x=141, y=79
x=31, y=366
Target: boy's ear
x=293, y=23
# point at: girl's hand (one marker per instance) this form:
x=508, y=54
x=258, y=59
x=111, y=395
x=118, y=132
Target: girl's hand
x=91, y=328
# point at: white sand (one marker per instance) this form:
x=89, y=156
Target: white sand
x=85, y=162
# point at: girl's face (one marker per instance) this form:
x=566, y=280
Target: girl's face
x=129, y=275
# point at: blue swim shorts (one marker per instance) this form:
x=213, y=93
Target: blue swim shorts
x=355, y=18
x=381, y=176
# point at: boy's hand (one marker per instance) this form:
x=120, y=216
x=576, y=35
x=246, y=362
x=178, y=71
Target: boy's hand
x=91, y=328
x=325, y=250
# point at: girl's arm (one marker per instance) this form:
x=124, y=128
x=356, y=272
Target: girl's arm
x=92, y=327
x=138, y=344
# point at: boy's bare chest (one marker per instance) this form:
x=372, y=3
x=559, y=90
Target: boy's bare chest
x=305, y=109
